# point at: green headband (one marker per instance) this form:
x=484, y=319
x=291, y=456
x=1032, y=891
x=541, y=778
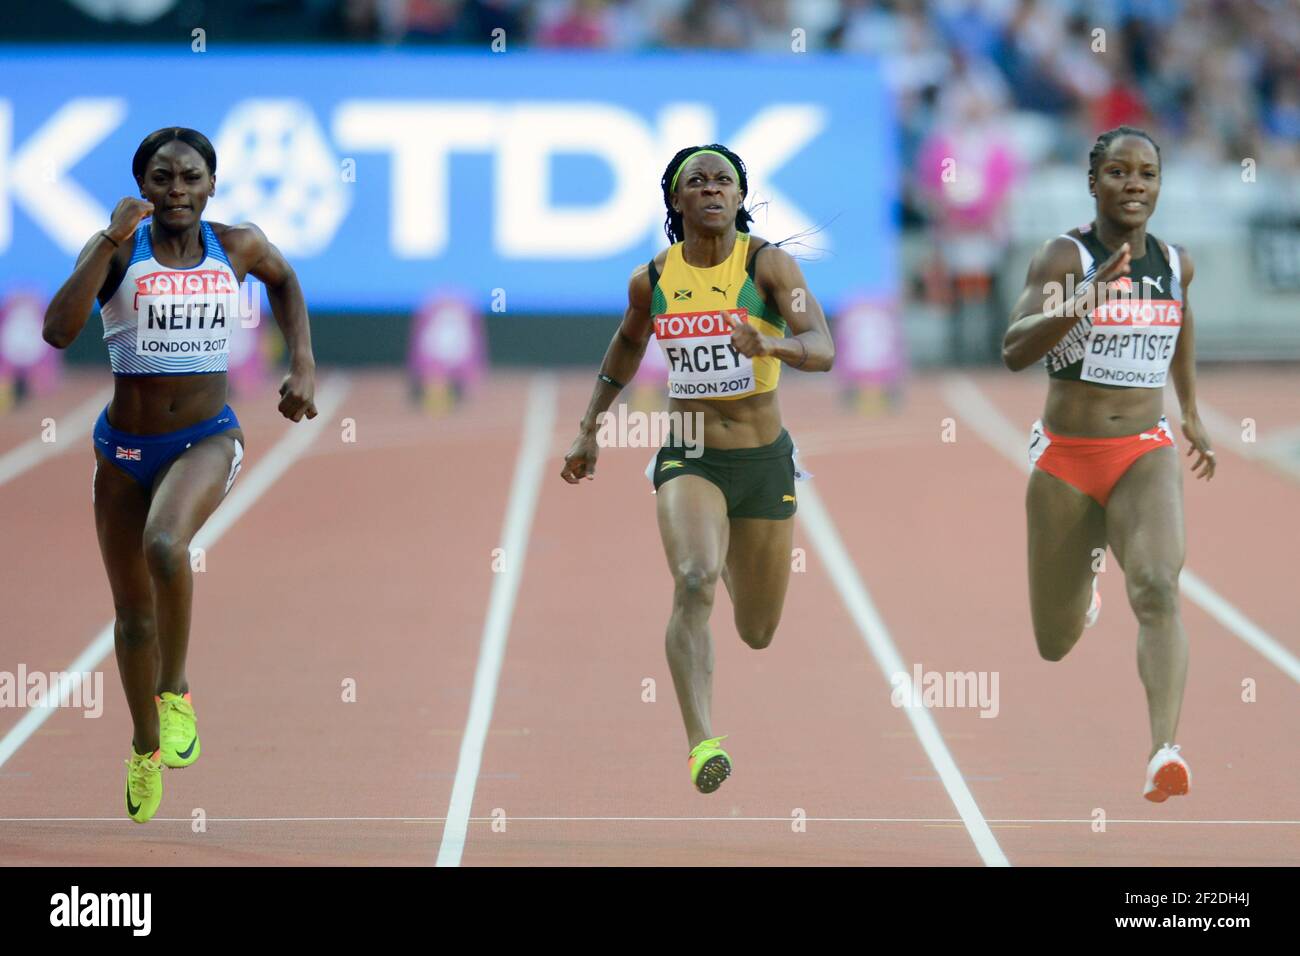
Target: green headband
x=700, y=152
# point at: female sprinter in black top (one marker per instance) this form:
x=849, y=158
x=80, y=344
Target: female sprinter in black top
x=1105, y=305
x=720, y=303
x=168, y=447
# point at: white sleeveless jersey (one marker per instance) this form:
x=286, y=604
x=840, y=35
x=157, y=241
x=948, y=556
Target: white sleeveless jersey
x=167, y=321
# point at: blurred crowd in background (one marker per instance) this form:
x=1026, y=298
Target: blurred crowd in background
x=992, y=90
x=1217, y=79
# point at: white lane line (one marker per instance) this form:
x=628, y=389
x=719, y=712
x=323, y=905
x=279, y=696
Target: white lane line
x=1223, y=611
x=245, y=493
x=968, y=401
x=534, y=447
x=1279, y=448
x=71, y=427
x=956, y=821
x=872, y=628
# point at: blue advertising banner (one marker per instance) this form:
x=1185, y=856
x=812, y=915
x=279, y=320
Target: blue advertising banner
x=528, y=180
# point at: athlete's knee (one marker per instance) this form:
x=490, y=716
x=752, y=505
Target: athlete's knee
x=134, y=628
x=1053, y=652
x=694, y=583
x=1152, y=593
x=166, y=555
x=1055, y=642
x=757, y=636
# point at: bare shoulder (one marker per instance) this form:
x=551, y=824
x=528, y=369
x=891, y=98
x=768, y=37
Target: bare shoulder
x=241, y=237
x=775, y=265
x=639, y=292
x=249, y=251
x=758, y=244
x=1186, y=266
x=1056, y=258
x=1050, y=269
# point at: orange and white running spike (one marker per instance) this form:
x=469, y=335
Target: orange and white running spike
x=1094, y=609
x=1167, y=775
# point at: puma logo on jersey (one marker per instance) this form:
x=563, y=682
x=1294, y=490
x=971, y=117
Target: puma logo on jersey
x=1155, y=282
x=1155, y=437
x=785, y=498
x=716, y=289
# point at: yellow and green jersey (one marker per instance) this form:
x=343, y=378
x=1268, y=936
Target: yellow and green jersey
x=694, y=310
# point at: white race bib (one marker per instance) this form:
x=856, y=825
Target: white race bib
x=1132, y=342
x=185, y=313
x=702, y=362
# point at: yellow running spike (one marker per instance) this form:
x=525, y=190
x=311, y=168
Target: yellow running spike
x=709, y=764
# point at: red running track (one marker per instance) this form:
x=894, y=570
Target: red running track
x=372, y=561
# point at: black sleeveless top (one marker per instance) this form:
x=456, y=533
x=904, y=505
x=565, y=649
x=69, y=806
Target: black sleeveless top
x=1128, y=342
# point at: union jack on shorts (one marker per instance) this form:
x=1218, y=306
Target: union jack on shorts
x=130, y=454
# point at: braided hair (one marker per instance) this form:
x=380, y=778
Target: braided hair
x=673, y=222
x=1105, y=139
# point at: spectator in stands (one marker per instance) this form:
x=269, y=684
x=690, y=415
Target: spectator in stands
x=356, y=20
x=585, y=23
x=481, y=17
x=707, y=24
x=434, y=21
x=966, y=171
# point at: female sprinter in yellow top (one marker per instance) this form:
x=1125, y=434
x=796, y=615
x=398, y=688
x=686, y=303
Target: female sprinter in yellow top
x=1104, y=466
x=720, y=301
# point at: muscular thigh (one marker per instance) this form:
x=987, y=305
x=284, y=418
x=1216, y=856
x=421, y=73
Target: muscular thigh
x=693, y=525
x=1066, y=529
x=1144, y=516
x=758, y=566
x=189, y=489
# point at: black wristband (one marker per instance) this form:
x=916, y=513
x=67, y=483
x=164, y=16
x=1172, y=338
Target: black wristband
x=609, y=381
x=804, y=358
x=104, y=233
